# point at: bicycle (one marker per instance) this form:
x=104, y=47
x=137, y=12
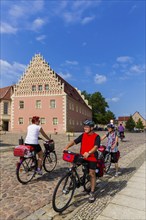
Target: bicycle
x=27, y=166
x=67, y=185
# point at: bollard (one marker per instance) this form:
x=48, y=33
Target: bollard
x=21, y=141
x=68, y=137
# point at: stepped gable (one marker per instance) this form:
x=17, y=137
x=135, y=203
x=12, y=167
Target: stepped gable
x=39, y=73
x=5, y=93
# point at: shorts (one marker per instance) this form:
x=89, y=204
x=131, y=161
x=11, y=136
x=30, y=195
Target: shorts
x=37, y=147
x=92, y=165
x=115, y=157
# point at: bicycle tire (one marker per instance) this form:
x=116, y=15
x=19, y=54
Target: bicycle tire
x=50, y=161
x=107, y=162
x=66, y=185
x=26, y=170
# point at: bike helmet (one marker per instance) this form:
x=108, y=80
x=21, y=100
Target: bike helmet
x=89, y=123
x=111, y=126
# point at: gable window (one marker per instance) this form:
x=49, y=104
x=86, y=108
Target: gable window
x=5, y=110
x=21, y=104
x=20, y=121
x=38, y=104
x=52, y=103
x=33, y=88
x=55, y=121
x=46, y=87
x=40, y=88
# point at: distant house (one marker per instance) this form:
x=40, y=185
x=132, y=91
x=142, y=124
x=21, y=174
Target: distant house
x=5, y=107
x=43, y=93
x=123, y=120
x=136, y=116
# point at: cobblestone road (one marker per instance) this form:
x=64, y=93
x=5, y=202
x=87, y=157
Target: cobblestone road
x=33, y=201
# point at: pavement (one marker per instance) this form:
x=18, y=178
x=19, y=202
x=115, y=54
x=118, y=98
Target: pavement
x=129, y=203
x=34, y=200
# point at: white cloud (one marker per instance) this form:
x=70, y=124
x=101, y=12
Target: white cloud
x=114, y=99
x=99, y=79
x=136, y=69
x=73, y=62
x=6, y=28
x=124, y=59
x=10, y=73
x=65, y=75
x=41, y=38
x=88, y=19
x=37, y=23
x=84, y=44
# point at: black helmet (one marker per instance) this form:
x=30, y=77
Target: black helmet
x=89, y=123
x=110, y=126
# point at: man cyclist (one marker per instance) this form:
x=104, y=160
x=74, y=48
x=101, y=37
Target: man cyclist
x=90, y=142
x=121, y=130
x=31, y=139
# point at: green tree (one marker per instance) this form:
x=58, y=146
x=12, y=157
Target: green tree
x=99, y=108
x=139, y=124
x=130, y=124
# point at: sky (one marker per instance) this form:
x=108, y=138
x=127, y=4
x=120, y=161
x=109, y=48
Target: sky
x=95, y=45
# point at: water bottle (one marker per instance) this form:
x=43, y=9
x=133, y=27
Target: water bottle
x=97, y=170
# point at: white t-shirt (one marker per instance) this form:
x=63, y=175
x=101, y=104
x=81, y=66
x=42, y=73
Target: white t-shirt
x=32, y=134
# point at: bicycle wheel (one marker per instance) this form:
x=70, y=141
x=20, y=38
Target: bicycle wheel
x=26, y=170
x=107, y=162
x=63, y=192
x=50, y=161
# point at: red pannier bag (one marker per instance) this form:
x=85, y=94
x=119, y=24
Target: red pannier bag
x=22, y=150
x=69, y=156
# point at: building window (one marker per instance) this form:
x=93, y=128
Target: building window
x=42, y=121
x=33, y=88
x=40, y=88
x=73, y=107
x=52, y=103
x=6, y=105
x=46, y=87
x=21, y=104
x=20, y=121
x=38, y=103
x=55, y=121
x=77, y=109
x=30, y=120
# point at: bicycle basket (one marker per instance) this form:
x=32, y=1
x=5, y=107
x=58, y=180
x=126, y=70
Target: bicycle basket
x=49, y=145
x=22, y=150
x=69, y=156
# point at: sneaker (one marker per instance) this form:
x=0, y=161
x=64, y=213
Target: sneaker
x=91, y=197
x=116, y=174
x=39, y=172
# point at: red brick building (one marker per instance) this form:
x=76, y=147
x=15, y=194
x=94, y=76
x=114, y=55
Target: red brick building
x=42, y=92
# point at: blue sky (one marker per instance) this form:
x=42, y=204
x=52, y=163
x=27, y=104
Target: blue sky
x=94, y=45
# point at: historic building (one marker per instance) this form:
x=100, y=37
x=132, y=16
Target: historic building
x=43, y=93
x=5, y=107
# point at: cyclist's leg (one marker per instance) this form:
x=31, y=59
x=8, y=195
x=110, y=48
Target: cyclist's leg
x=92, y=167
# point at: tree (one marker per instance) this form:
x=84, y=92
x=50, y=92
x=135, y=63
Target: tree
x=139, y=124
x=99, y=105
x=130, y=124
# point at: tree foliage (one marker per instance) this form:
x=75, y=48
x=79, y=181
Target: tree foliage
x=99, y=105
x=130, y=124
x=139, y=124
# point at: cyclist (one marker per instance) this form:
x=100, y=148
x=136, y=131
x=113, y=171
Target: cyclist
x=32, y=136
x=112, y=144
x=121, y=130
x=90, y=141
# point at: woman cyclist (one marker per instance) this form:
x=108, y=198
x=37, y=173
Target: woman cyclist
x=33, y=131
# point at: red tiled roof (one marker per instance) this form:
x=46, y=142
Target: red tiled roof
x=5, y=93
x=71, y=91
x=123, y=118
